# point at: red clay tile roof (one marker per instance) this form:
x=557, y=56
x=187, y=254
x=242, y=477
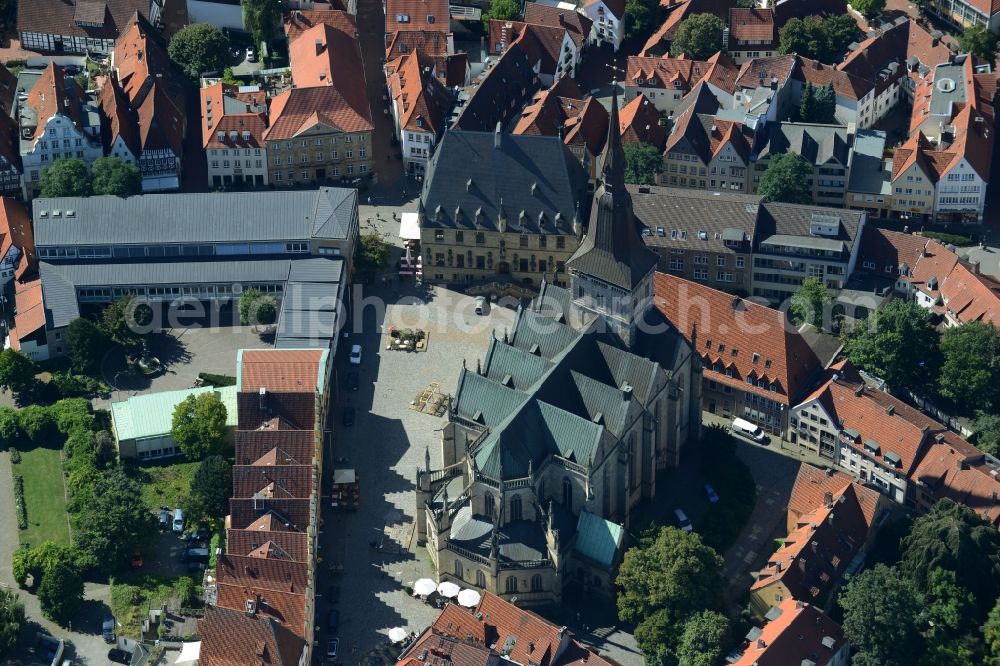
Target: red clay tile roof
x=252, y=444
x=751, y=339
x=244, y=512
x=954, y=469
x=281, y=575
x=797, y=635
x=282, y=370
x=666, y=72
x=760, y=71
x=937, y=263
x=408, y=41
x=297, y=22
x=812, y=484
x=225, y=109
x=542, y=43
x=16, y=230
x=233, y=638
x=421, y=99
x=617, y=7
x=562, y=107
x=820, y=75
x=818, y=551
x=162, y=124
x=286, y=608
x=441, y=649
x=59, y=17
x=501, y=92
x=897, y=44
x=640, y=121
x=55, y=92
x=970, y=297
x=576, y=23
x=682, y=10
x=751, y=24
x=417, y=15
x=889, y=248
x=116, y=118
x=298, y=109
x=30, y=308
x=271, y=522
x=280, y=481
x=243, y=542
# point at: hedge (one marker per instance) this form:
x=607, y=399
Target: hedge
x=19, y=507
x=15, y=456
x=948, y=239
x=217, y=381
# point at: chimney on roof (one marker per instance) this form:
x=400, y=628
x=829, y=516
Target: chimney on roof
x=858, y=392
x=890, y=410
x=817, y=64
x=828, y=499
x=975, y=268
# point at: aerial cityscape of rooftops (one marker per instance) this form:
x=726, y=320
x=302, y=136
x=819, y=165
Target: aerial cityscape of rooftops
x=550, y=332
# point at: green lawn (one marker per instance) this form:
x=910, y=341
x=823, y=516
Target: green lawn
x=43, y=496
x=132, y=595
x=164, y=484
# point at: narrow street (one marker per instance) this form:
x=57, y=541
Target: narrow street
x=371, y=28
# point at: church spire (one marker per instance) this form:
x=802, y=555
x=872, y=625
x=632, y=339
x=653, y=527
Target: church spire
x=613, y=174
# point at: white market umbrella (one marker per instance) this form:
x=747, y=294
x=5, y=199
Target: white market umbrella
x=468, y=598
x=424, y=586
x=448, y=589
x=397, y=634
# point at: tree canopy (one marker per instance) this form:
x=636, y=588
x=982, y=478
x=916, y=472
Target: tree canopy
x=372, y=253
x=113, y=521
x=114, y=176
x=818, y=38
x=502, y=10
x=262, y=19
x=698, y=37
x=879, y=617
x=970, y=366
x=122, y=320
x=809, y=302
x=257, y=307
x=987, y=429
x=11, y=619
x=667, y=577
x=868, y=8
x=640, y=17
x=818, y=105
x=199, y=425
x=212, y=483
x=980, y=41
x=17, y=371
x=67, y=177
x=198, y=48
x=642, y=163
x=705, y=639
x=786, y=179
x=60, y=593
x=897, y=343
x=86, y=344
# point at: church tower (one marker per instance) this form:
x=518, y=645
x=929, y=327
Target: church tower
x=611, y=273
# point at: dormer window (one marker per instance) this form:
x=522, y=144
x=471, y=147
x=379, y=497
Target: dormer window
x=430, y=18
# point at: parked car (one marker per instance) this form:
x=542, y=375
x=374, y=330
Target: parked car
x=194, y=555
x=251, y=54
x=108, y=628
x=164, y=518
x=356, y=355
x=348, y=418
x=353, y=381
x=682, y=520
x=713, y=496
x=178, y=521
x=333, y=620
x=198, y=535
x=136, y=558
x=331, y=648
x=482, y=305
x=749, y=430
x=119, y=656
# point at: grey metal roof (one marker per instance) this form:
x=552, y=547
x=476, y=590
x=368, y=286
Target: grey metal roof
x=785, y=219
x=949, y=89
x=870, y=172
x=518, y=540
x=810, y=242
x=818, y=144
x=476, y=171
x=707, y=219
x=231, y=217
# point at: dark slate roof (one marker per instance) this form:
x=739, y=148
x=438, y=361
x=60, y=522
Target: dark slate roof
x=818, y=144
x=704, y=217
x=503, y=168
x=196, y=218
x=783, y=219
x=518, y=540
x=552, y=390
x=612, y=249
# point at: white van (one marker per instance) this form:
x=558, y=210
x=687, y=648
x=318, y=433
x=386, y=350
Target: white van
x=178, y=521
x=682, y=520
x=748, y=430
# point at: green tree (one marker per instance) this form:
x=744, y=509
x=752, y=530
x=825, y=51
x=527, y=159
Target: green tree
x=868, y=8
x=955, y=538
x=114, y=176
x=60, y=593
x=199, y=48
x=640, y=16
x=705, y=639
x=698, y=37
x=809, y=302
x=663, y=580
x=10, y=427
x=897, y=343
x=805, y=37
x=262, y=19
x=86, y=345
x=970, y=366
x=72, y=415
x=786, y=179
x=125, y=320
x=807, y=105
x=826, y=105
x=37, y=424
x=114, y=520
x=199, y=425
x=841, y=30
x=948, y=607
x=502, y=10
x=213, y=482
x=642, y=163
x=17, y=371
x=257, y=307
x=372, y=253
x=880, y=617
x=986, y=426
x=66, y=177
x=991, y=633
x=11, y=619
x=36, y=560
x=980, y=41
